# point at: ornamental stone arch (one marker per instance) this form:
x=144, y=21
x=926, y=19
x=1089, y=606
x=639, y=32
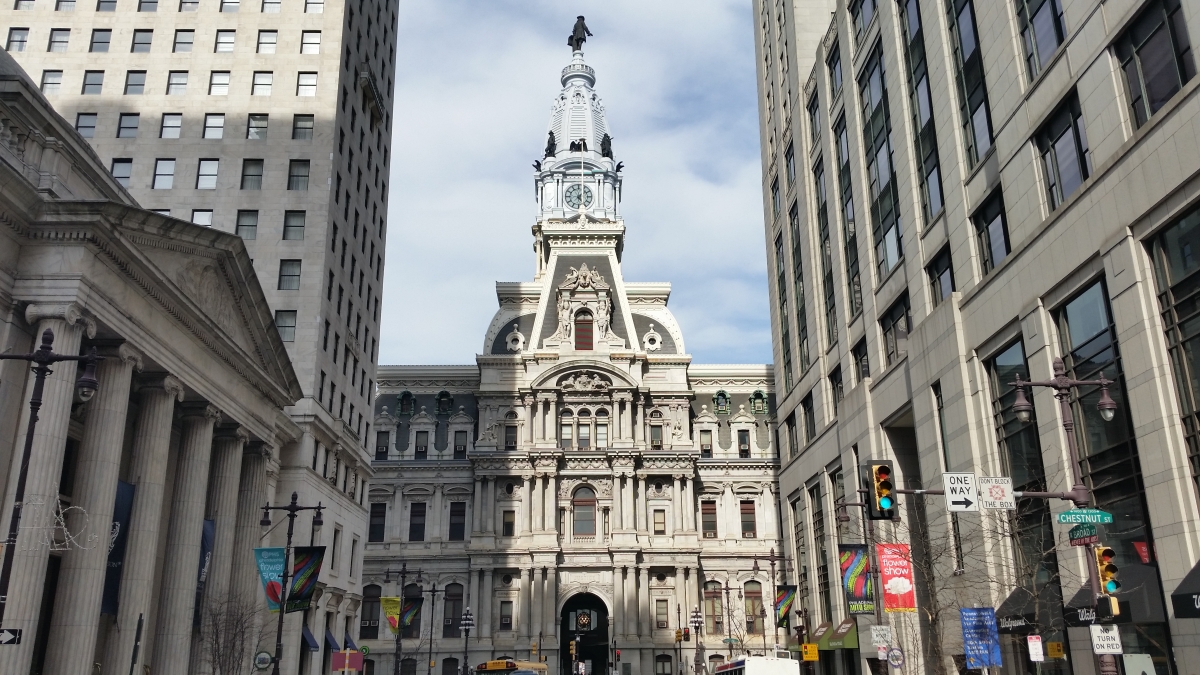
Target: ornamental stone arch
x=572, y=589
x=618, y=379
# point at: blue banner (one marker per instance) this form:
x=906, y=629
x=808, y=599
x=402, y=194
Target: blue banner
x=206, y=547
x=117, y=538
x=270, y=569
x=981, y=637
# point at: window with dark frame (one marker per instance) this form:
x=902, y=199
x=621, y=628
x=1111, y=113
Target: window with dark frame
x=789, y=163
x=508, y=524
x=972, y=89
x=122, y=170
x=749, y=522
x=836, y=388
x=1156, y=57
x=85, y=124
x=814, y=122
x=378, y=525
x=849, y=227
x=706, y=446
x=421, y=449
x=252, y=174
x=785, y=335
x=798, y=284
x=460, y=445
x=896, y=324
x=921, y=103
x=863, y=12
x=184, y=41
x=1066, y=159
x=743, y=440
x=877, y=147
x=247, y=224
x=583, y=331
x=660, y=521
x=289, y=275
x=416, y=521
x=834, y=65
x=826, y=254
x=214, y=125
x=101, y=40
x=809, y=419
x=862, y=364
x=293, y=225
x=458, y=521
x=93, y=82
x=285, y=323
x=256, y=127
x=142, y=40
x=302, y=127
x=941, y=276
x=991, y=230
x=708, y=519
x=127, y=125
x=298, y=171
x=1042, y=31
x=18, y=39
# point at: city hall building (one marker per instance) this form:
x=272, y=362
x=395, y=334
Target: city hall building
x=583, y=479
x=960, y=194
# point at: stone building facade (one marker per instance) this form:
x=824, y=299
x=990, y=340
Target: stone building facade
x=958, y=193
x=583, y=477
x=188, y=424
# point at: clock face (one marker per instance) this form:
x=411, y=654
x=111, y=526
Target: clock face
x=578, y=193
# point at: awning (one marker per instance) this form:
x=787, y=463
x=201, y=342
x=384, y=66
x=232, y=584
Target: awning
x=310, y=642
x=819, y=632
x=844, y=636
x=350, y=643
x=1018, y=613
x=1186, y=598
x=331, y=641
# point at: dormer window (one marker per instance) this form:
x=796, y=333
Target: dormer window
x=460, y=445
x=706, y=444
x=583, y=331
x=758, y=403
x=721, y=403
x=406, y=400
x=444, y=403
x=656, y=431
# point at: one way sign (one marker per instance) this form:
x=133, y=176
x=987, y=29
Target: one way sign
x=961, y=492
x=10, y=636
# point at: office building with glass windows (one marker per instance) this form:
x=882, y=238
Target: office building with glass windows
x=270, y=120
x=960, y=194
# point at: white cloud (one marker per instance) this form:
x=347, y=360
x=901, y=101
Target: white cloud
x=474, y=85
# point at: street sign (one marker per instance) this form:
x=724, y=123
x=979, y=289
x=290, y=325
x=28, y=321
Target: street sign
x=996, y=493
x=881, y=653
x=263, y=660
x=1076, y=516
x=10, y=636
x=1035, y=648
x=981, y=637
x=881, y=635
x=1082, y=535
x=1106, y=639
x=896, y=657
x=1055, y=650
x=961, y=494
x=808, y=651
x=365, y=650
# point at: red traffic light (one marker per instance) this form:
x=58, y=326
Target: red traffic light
x=618, y=654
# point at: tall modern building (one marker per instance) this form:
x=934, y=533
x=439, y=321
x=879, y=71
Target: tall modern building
x=270, y=120
x=583, y=480
x=959, y=195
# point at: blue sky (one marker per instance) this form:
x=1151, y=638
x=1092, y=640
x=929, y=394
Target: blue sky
x=474, y=85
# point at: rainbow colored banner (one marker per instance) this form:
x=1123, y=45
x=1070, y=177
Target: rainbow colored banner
x=306, y=568
x=785, y=596
x=856, y=578
x=412, y=607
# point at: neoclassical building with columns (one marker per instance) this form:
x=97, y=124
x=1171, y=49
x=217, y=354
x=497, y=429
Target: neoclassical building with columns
x=583, y=479
x=187, y=433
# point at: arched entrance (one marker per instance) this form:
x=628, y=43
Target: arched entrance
x=585, y=619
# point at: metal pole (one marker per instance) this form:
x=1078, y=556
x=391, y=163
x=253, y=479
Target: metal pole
x=728, y=622
x=137, y=644
x=283, y=592
x=774, y=602
x=466, y=642
x=400, y=622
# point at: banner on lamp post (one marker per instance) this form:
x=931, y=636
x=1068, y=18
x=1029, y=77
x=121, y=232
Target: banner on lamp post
x=785, y=597
x=270, y=569
x=306, y=568
x=856, y=578
x=896, y=577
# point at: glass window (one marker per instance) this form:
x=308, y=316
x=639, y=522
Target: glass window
x=992, y=232
x=814, y=121
x=798, y=284
x=1156, y=57
x=752, y=594
x=262, y=83
x=835, y=69
x=271, y=6
x=135, y=82
x=416, y=521
x=229, y=5
x=122, y=169
x=189, y=5
x=177, y=82
x=93, y=82
x=972, y=90
x=141, y=41
x=184, y=41
x=302, y=127
x=708, y=519
x=127, y=125
x=164, y=174
x=776, y=203
x=171, y=124
x=225, y=41
x=247, y=224
x=660, y=521
x=298, y=174
x=836, y=388
x=925, y=139
x=1066, y=159
x=714, y=609
x=862, y=364
x=743, y=439
x=368, y=627
x=941, y=276
x=421, y=451
x=508, y=525
x=877, y=147
x=825, y=248
x=293, y=225
x=506, y=606
x=58, y=40
x=378, y=523
x=106, y=5
x=256, y=128
x=583, y=507
x=306, y=84
x=849, y=227
x=1042, y=31
x=749, y=524
x=896, y=323
x=706, y=446
x=310, y=42
x=864, y=13
x=252, y=174
x=214, y=125
x=809, y=419
x=147, y=5
x=285, y=322
x=412, y=596
x=64, y=6
x=202, y=217
x=85, y=124
x=314, y=6
x=18, y=38
x=206, y=174
x=458, y=532
x=460, y=439
x=267, y=41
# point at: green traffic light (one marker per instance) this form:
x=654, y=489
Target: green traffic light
x=885, y=503
x=1111, y=586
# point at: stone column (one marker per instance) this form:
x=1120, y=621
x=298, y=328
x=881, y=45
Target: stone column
x=476, y=514
x=551, y=502
x=76, y=615
x=618, y=612
x=473, y=596
x=645, y=626
x=528, y=413
x=689, y=509
x=224, y=483
x=45, y=466
x=732, y=520
x=172, y=645
x=537, y=508
x=552, y=422
x=485, y=601
x=618, y=521
x=433, y=531
x=151, y=443
x=629, y=512
x=539, y=607
x=536, y=413
x=489, y=505
x=640, y=506
x=523, y=599
x=527, y=513
x=677, y=503
x=252, y=494
x=630, y=612
x=551, y=599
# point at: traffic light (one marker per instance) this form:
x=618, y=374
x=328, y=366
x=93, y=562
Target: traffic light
x=618, y=656
x=687, y=634
x=572, y=648
x=1107, y=570
x=533, y=649
x=882, y=502
x=678, y=635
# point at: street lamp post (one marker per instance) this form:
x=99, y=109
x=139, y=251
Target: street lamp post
x=466, y=623
x=774, y=596
x=403, y=573
x=729, y=639
x=291, y=509
x=1079, y=493
x=433, y=592
x=86, y=386
x=697, y=623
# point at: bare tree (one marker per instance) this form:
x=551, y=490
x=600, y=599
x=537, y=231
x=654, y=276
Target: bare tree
x=232, y=630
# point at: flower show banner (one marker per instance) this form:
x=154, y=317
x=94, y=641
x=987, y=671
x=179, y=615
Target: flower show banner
x=391, y=612
x=306, y=567
x=856, y=578
x=785, y=596
x=896, y=577
x=270, y=569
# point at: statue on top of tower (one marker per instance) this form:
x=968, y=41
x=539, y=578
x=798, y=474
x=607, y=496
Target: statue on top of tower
x=606, y=146
x=551, y=145
x=579, y=35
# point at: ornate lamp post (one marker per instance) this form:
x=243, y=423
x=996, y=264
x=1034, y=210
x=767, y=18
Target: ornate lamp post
x=86, y=386
x=291, y=509
x=698, y=623
x=433, y=593
x=403, y=573
x=466, y=623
